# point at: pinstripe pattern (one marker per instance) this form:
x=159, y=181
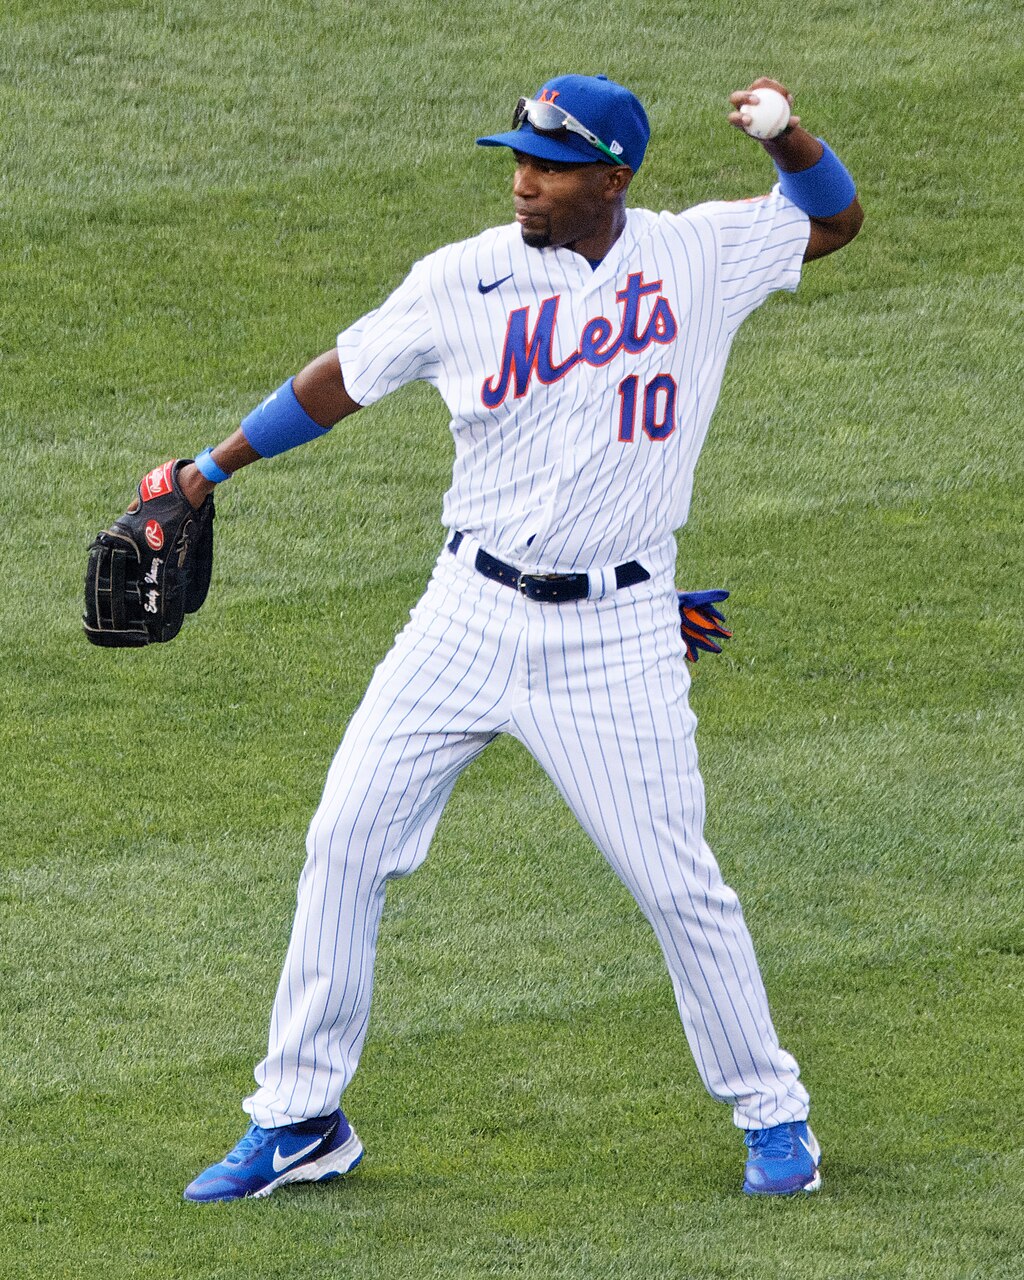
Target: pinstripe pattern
x=608, y=719
x=597, y=692
x=543, y=480
x=554, y=479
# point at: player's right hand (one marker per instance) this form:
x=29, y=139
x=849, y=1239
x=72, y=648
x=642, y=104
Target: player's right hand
x=742, y=96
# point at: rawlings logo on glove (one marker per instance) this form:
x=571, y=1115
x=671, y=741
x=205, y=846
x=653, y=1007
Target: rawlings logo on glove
x=701, y=622
x=151, y=567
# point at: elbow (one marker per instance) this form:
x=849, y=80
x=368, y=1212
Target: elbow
x=844, y=226
x=829, y=234
x=856, y=215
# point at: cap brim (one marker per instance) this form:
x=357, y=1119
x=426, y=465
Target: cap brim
x=571, y=149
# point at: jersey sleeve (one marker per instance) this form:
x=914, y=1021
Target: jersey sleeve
x=761, y=244
x=390, y=346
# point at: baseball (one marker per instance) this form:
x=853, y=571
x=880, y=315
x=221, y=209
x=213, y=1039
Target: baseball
x=767, y=117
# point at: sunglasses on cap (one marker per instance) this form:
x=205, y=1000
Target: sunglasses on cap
x=547, y=118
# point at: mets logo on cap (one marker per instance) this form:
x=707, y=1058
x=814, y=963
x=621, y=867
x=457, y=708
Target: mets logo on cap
x=579, y=118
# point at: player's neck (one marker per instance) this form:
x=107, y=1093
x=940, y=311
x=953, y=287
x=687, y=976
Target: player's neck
x=593, y=247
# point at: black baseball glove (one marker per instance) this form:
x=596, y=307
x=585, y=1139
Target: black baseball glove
x=700, y=621
x=151, y=567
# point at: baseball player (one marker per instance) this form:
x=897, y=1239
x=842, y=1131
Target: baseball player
x=580, y=350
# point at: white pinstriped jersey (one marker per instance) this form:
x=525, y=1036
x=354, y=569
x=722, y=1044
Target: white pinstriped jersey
x=579, y=397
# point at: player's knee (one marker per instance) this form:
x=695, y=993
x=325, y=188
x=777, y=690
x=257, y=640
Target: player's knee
x=340, y=833
x=359, y=829
x=696, y=906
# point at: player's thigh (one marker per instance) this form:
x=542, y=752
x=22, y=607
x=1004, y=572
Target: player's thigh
x=450, y=668
x=612, y=726
x=433, y=704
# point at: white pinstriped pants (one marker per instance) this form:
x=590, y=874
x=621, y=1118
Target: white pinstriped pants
x=597, y=691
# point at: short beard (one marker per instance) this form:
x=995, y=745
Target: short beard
x=536, y=239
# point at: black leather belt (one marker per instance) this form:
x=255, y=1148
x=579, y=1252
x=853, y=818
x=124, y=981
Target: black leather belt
x=547, y=588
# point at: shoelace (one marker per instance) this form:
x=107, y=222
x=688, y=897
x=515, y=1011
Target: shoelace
x=773, y=1143
x=253, y=1138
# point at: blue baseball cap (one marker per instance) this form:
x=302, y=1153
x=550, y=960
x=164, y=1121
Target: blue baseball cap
x=608, y=110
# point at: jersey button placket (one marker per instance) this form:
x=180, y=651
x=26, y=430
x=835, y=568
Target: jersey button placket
x=575, y=282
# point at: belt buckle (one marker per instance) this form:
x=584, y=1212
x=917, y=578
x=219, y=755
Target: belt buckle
x=537, y=577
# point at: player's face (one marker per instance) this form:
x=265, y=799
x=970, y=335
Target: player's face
x=563, y=204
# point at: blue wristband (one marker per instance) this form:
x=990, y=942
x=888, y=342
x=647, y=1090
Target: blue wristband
x=209, y=468
x=822, y=190
x=280, y=423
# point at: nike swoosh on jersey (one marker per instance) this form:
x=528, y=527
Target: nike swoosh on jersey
x=486, y=288
x=285, y=1162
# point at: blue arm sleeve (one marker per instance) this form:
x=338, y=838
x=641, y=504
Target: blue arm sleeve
x=280, y=423
x=824, y=189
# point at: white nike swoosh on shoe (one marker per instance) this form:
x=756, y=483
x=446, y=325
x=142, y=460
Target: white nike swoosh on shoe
x=814, y=1152
x=286, y=1162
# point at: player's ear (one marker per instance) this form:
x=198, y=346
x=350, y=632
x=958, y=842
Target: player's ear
x=617, y=179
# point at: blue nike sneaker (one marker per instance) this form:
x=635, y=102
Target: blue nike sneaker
x=265, y=1159
x=783, y=1160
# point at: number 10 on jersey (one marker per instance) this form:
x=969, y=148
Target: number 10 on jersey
x=659, y=407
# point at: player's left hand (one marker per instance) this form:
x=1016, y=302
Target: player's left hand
x=151, y=567
x=742, y=96
x=701, y=622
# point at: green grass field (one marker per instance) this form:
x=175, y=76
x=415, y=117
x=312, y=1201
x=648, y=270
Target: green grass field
x=194, y=199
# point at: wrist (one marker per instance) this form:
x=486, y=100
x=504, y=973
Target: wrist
x=209, y=468
x=793, y=149
x=194, y=485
